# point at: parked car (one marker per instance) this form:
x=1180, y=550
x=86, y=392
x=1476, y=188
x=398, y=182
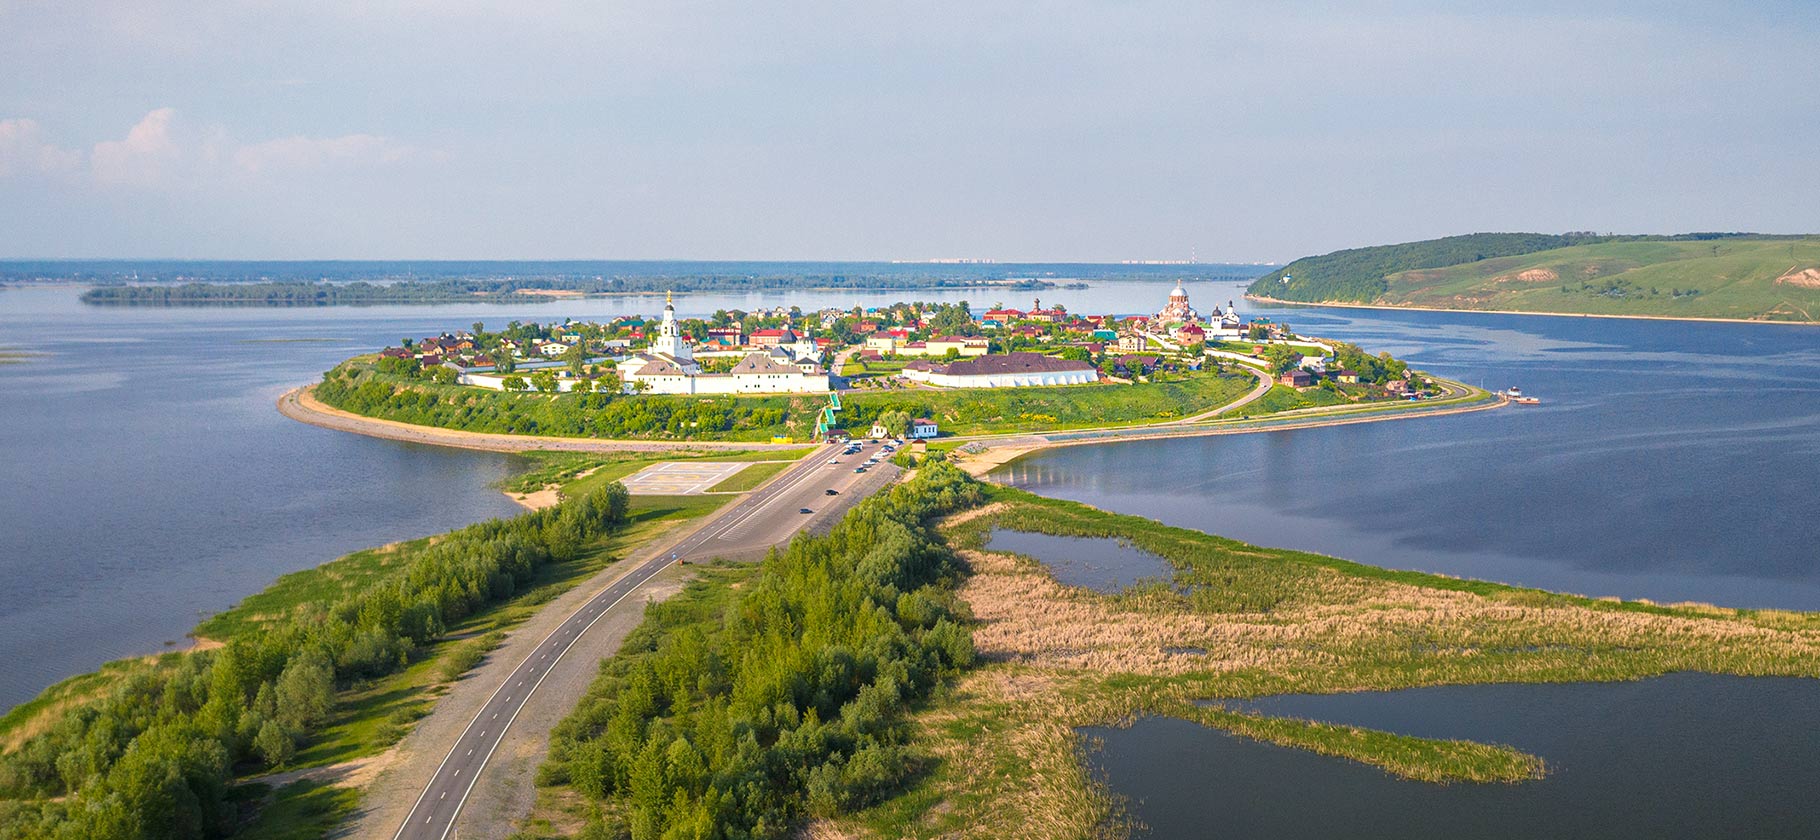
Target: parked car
x=805, y=510
x=831, y=492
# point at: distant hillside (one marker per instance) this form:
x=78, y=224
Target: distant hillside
x=1702, y=275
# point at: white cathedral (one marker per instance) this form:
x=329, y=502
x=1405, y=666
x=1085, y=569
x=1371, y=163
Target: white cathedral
x=668, y=366
x=1177, y=313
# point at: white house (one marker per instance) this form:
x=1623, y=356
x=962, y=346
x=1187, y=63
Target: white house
x=1003, y=370
x=669, y=367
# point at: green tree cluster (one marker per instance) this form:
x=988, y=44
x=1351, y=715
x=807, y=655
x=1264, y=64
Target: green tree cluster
x=599, y=413
x=790, y=702
x=153, y=757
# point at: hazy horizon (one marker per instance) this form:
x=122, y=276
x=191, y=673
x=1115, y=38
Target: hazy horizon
x=1086, y=132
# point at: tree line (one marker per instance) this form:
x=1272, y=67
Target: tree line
x=790, y=701
x=154, y=756
x=350, y=387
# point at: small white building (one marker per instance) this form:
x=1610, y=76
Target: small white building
x=1003, y=370
x=669, y=367
x=921, y=429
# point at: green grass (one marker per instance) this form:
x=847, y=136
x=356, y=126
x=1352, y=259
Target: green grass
x=1008, y=410
x=1285, y=398
x=299, y=811
x=882, y=367
x=1717, y=278
x=750, y=477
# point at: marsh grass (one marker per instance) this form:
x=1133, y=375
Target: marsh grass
x=1256, y=622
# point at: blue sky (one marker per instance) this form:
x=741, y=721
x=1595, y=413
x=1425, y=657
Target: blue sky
x=1053, y=131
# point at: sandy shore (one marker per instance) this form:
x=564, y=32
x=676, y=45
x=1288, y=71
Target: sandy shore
x=1263, y=299
x=300, y=404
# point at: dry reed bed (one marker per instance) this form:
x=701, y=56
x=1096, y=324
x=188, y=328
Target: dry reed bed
x=1258, y=621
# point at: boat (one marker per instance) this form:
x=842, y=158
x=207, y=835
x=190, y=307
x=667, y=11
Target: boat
x=1516, y=395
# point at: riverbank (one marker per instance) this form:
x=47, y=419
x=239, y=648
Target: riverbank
x=301, y=405
x=1236, y=621
x=1278, y=302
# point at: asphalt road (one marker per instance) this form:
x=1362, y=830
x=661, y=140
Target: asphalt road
x=768, y=517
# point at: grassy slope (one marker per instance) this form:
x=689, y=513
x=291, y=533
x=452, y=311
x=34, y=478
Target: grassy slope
x=1004, y=410
x=1005, y=757
x=1735, y=277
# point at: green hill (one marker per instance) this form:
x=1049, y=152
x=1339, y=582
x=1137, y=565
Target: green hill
x=1705, y=275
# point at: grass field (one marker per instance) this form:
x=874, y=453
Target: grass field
x=750, y=477
x=1726, y=278
x=1240, y=621
x=979, y=411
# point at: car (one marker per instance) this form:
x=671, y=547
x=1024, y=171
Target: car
x=831, y=492
x=859, y=469
x=804, y=510
x=833, y=461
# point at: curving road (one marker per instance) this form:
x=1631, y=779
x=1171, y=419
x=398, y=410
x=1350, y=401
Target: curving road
x=768, y=517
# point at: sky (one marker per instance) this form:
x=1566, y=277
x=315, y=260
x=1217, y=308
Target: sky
x=1056, y=131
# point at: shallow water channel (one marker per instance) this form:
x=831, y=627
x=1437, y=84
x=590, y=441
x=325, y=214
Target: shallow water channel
x=1103, y=564
x=1680, y=756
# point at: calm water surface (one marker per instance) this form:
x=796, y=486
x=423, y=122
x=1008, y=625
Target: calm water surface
x=1103, y=564
x=1682, y=756
x=1672, y=461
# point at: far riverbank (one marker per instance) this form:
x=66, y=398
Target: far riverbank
x=1301, y=303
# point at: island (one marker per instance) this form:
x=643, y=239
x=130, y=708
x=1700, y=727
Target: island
x=784, y=375
x=1709, y=276
x=828, y=626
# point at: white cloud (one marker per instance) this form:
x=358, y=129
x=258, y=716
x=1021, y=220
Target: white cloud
x=161, y=150
x=23, y=151
x=144, y=158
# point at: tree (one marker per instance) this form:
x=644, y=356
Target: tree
x=952, y=319
x=545, y=381
x=576, y=356
x=503, y=362
x=443, y=375
x=895, y=422
x=274, y=744
x=513, y=383
x=306, y=688
x=1281, y=358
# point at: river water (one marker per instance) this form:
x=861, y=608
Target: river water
x=1684, y=756
x=147, y=481
x=1669, y=460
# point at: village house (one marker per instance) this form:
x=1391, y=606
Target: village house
x=1296, y=378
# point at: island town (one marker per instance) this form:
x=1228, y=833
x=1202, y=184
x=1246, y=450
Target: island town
x=906, y=348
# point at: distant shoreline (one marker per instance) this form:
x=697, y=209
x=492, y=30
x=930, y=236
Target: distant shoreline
x=1264, y=299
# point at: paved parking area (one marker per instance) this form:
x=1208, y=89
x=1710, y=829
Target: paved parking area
x=681, y=478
